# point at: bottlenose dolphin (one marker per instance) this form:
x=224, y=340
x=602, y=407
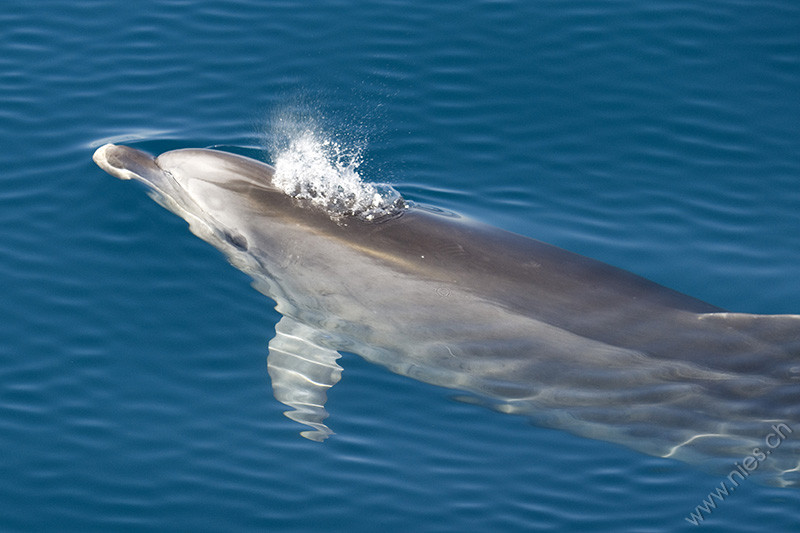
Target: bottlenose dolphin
x=518, y=325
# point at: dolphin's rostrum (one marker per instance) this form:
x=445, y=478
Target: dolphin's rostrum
x=525, y=327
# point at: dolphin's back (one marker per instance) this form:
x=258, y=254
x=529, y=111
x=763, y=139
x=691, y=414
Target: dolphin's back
x=591, y=298
x=477, y=251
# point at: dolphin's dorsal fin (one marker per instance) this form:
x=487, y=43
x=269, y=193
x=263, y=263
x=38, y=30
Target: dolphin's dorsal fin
x=302, y=371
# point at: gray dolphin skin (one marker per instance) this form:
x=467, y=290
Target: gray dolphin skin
x=515, y=324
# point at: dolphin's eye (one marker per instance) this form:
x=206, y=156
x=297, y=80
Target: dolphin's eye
x=236, y=239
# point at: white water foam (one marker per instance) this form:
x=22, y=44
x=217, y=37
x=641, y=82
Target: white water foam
x=311, y=167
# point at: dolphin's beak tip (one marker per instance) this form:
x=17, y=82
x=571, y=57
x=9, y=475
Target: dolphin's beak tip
x=105, y=158
x=100, y=153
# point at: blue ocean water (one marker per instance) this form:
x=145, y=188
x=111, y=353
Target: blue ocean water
x=661, y=137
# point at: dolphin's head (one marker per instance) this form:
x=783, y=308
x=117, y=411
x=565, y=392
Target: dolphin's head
x=214, y=191
x=196, y=172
